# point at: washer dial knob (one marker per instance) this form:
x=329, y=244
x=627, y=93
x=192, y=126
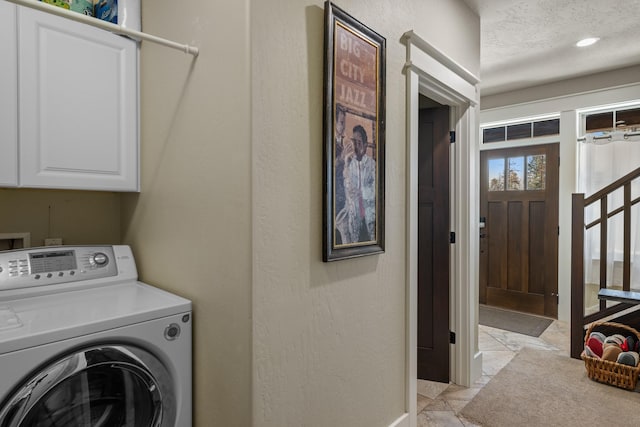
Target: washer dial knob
x=99, y=259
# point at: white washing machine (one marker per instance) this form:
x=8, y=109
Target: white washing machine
x=83, y=343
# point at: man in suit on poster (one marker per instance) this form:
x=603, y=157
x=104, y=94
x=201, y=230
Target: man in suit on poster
x=339, y=150
x=360, y=190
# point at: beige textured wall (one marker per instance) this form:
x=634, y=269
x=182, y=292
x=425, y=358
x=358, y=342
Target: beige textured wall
x=329, y=338
x=78, y=217
x=190, y=227
x=230, y=210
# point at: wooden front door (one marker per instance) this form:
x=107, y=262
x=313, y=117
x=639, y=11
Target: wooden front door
x=519, y=242
x=433, y=244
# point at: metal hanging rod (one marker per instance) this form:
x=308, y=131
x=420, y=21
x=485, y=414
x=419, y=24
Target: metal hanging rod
x=617, y=134
x=79, y=17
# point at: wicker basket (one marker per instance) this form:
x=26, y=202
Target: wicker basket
x=605, y=371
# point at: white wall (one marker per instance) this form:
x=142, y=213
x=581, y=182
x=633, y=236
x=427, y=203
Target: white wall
x=566, y=106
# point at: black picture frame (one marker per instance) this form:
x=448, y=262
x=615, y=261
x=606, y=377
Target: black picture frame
x=353, y=137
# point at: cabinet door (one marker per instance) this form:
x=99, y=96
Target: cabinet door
x=8, y=96
x=78, y=105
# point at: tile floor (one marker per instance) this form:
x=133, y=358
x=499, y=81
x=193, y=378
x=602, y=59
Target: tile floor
x=439, y=404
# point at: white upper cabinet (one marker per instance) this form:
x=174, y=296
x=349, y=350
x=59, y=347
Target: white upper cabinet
x=8, y=96
x=77, y=105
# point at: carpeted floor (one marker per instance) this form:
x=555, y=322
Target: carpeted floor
x=513, y=321
x=545, y=388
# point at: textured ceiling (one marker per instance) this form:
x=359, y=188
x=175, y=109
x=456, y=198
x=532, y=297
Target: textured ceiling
x=530, y=42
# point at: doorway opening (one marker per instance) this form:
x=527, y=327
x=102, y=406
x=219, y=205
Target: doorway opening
x=437, y=77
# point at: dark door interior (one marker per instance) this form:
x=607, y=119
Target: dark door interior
x=433, y=244
x=519, y=243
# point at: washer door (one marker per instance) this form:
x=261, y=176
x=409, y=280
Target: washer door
x=101, y=386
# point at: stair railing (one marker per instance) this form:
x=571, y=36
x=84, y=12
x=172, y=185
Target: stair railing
x=578, y=228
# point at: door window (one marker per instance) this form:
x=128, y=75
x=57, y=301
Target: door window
x=496, y=174
x=520, y=173
x=536, y=171
x=515, y=173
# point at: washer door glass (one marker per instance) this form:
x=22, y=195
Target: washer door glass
x=106, y=386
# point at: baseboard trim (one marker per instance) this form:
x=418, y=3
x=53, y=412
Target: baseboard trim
x=476, y=367
x=403, y=421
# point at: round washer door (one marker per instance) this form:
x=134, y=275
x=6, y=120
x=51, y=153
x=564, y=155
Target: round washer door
x=100, y=386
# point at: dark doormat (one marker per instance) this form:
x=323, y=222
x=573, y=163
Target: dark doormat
x=522, y=323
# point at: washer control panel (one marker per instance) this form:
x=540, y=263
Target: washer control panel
x=56, y=264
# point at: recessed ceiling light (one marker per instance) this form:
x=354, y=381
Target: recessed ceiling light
x=587, y=42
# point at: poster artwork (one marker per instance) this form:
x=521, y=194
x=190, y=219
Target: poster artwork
x=356, y=148
x=353, y=138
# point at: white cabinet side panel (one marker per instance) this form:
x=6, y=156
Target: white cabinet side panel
x=8, y=96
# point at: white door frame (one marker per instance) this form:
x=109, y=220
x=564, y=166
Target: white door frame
x=431, y=73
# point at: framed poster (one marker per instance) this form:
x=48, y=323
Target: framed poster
x=354, y=120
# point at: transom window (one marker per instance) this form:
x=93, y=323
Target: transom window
x=610, y=120
x=524, y=130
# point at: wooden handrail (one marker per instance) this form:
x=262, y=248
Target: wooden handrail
x=612, y=187
x=608, y=311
